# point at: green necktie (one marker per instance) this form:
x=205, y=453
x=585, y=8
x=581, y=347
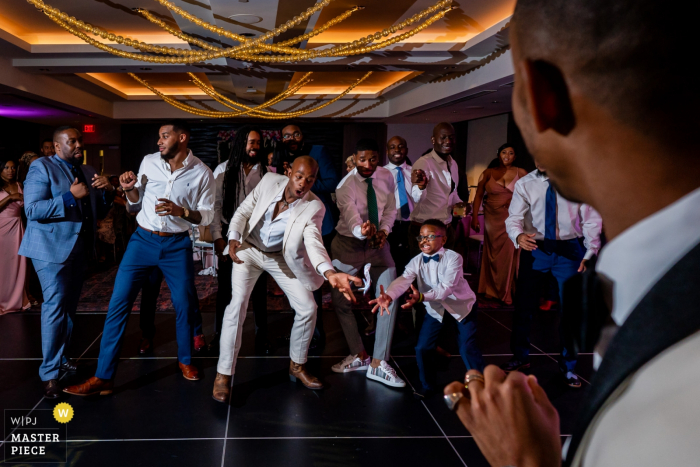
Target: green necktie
x=372, y=211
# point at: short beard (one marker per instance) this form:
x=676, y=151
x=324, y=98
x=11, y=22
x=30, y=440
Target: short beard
x=167, y=156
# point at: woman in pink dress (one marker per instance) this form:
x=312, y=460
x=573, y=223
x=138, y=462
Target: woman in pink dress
x=499, y=265
x=14, y=267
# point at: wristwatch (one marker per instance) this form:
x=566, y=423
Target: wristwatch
x=186, y=214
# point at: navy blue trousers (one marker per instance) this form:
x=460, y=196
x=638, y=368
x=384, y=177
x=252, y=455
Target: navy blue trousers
x=535, y=267
x=173, y=256
x=427, y=341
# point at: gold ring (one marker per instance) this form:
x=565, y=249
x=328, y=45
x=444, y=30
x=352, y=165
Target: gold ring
x=469, y=378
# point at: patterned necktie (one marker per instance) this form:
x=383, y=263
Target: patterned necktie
x=426, y=259
x=372, y=210
x=403, y=200
x=550, y=219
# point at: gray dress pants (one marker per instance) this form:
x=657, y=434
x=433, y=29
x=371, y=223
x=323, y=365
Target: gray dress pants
x=350, y=256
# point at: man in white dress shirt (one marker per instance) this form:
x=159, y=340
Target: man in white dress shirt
x=235, y=179
x=557, y=237
x=397, y=153
x=586, y=86
x=176, y=190
x=367, y=213
x=277, y=229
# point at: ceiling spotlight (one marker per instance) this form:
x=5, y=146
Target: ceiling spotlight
x=246, y=18
x=251, y=89
x=495, y=102
x=450, y=67
x=247, y=34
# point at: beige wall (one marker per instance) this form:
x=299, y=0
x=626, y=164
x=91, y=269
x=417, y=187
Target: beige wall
x=417, y=136
x=484, y=137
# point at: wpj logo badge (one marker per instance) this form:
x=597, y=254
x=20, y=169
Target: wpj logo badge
x=34, y=436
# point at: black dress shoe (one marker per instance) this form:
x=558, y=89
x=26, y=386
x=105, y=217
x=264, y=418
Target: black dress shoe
x=51, y=389
x=514, y=365
x=69, y=366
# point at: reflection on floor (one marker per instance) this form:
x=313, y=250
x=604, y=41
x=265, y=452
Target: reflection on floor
x=156, y=417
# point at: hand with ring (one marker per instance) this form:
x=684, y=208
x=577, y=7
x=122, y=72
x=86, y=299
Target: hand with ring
x=512, y=420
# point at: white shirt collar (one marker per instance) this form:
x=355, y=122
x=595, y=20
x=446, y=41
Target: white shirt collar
x=187, y=160
x=392, y=166
x=637, y=258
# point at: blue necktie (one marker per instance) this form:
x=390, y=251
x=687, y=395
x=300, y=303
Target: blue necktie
x=550, y=219
x=426, y=259
x=403, y=200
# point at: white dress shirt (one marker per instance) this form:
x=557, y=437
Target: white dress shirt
x=268, y=234
x=654, y=417
x=191, y=187
x=351, y=196
x=251, y=181
x=437, y=200
x=527, y=215
x=408, y=188
x=441, y=282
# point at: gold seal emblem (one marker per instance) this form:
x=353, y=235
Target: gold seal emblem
x=63, y=412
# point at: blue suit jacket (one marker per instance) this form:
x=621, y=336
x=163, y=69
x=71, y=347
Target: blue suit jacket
x=53, y=218
x=326, y=182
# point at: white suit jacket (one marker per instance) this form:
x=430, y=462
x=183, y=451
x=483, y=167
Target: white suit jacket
x=302, y=246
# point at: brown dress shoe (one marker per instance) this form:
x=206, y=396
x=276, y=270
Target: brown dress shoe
x=189, y=371
x=145, y=346
x=222, y=388
x=297, y=372
x=92, y=386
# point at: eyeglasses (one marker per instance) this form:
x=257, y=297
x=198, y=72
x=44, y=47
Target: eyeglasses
x=430, y=238
x=296, y=135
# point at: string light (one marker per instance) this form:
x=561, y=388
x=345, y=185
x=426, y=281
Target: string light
x=254, y=112
x=251, y=50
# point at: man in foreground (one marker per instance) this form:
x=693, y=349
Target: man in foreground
x=277, y=229
x=593, y=100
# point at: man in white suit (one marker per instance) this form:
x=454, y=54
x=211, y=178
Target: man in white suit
x=277, y=229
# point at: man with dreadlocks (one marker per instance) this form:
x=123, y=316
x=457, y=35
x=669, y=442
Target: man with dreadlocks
x=235, y=179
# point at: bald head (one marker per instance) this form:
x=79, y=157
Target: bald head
x=302, y=176
x=443, y=138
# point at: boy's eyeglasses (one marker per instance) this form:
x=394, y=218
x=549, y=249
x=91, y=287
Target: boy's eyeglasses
x=430, y=238
x=287, y=137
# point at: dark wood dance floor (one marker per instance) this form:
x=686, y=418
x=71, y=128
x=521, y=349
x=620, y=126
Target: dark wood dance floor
x=157, y=418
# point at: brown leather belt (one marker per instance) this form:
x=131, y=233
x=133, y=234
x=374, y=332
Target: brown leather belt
x=161, y=234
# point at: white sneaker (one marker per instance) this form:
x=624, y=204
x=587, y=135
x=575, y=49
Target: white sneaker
x=351, y=363
x=384, y=373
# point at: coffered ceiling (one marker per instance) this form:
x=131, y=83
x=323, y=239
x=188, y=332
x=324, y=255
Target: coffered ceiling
x=458, y=56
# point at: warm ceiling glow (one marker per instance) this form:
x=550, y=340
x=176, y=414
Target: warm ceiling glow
x=171, y=84
x=337, y=82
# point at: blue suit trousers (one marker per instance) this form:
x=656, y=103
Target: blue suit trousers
x=535, y=266
x=173, y=256
x=61, y=284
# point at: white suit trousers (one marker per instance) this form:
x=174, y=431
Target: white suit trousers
x=243, y=278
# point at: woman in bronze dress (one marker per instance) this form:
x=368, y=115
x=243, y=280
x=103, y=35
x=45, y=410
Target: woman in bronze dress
x=499, y=265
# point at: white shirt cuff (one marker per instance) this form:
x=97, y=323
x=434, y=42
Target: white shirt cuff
x=589, y=254
x=357, y=232
x=325, y=267
x=215, y=235
x=233, y=235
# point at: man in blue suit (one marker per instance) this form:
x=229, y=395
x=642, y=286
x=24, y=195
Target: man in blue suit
x=327, y=180
x=63, y=200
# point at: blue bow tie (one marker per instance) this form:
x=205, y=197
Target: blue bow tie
x=426, y=259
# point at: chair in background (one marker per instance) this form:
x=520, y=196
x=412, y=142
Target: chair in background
x=468, y=236
x=203, y=246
